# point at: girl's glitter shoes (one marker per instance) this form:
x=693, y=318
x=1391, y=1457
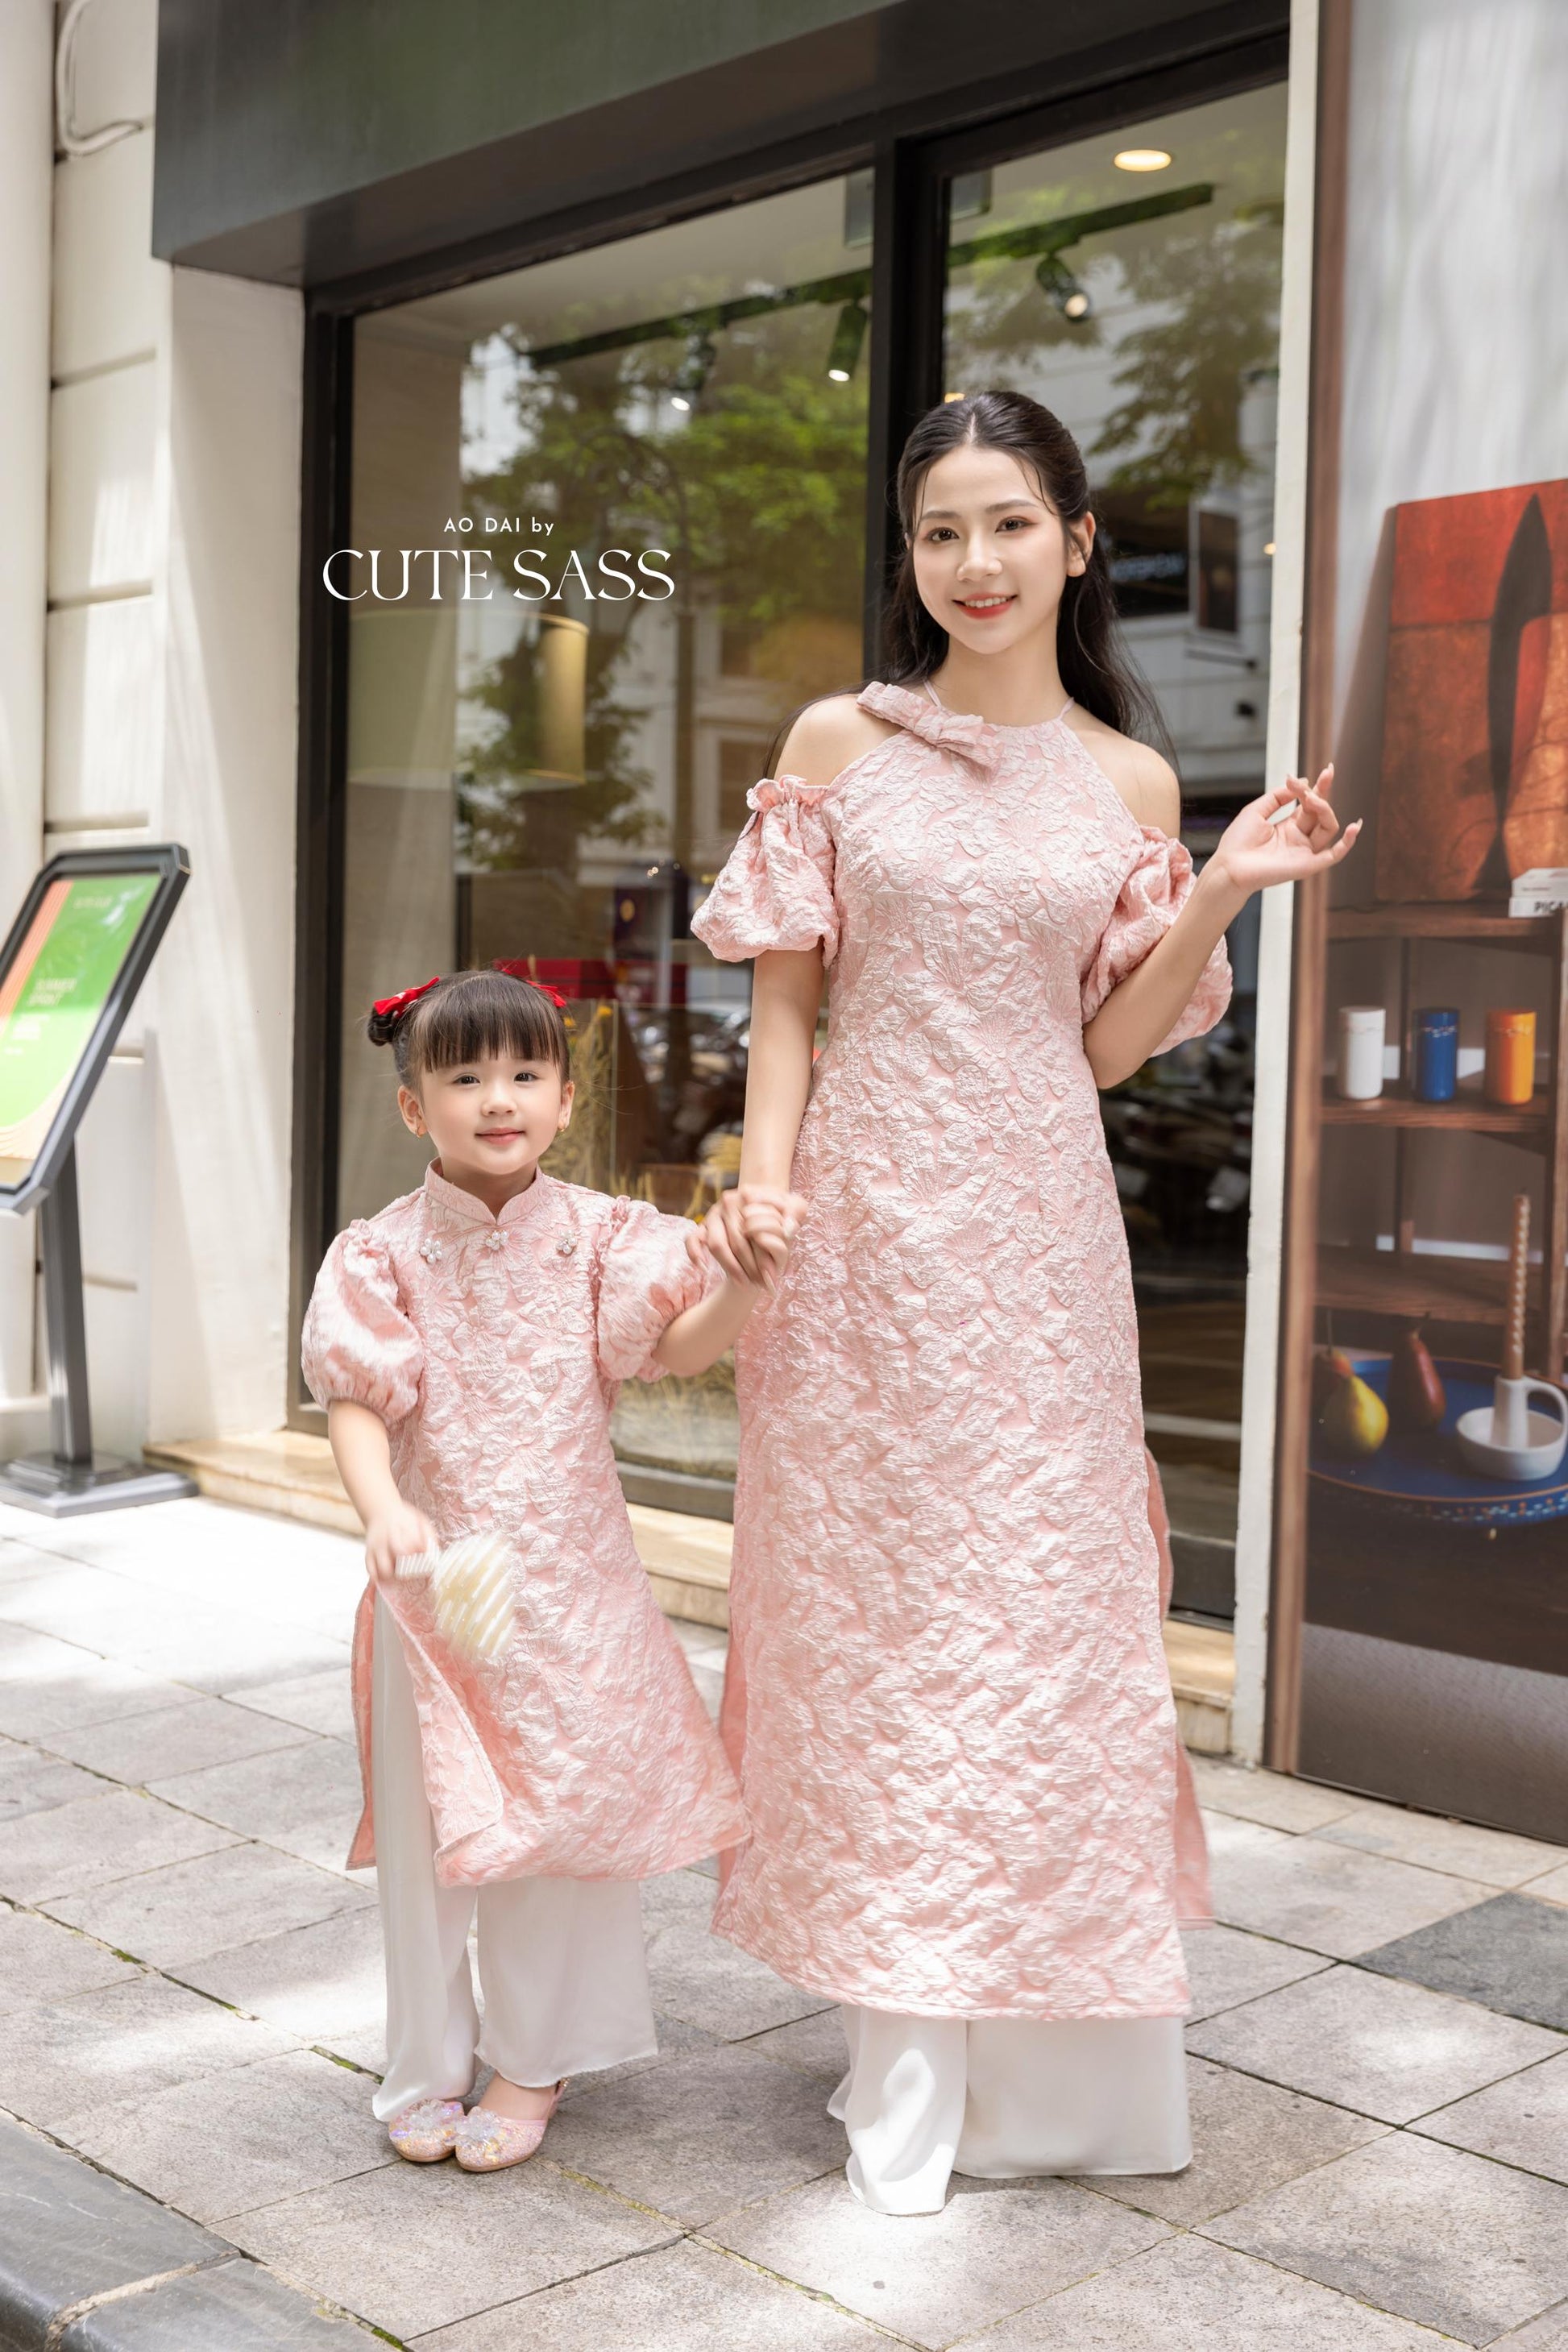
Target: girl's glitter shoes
x=489, y=2143
x=426, y=2131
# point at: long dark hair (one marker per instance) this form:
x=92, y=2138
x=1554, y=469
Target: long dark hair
x=1096, y=669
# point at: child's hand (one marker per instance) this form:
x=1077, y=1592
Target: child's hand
x=771, y=1223
x=750, y=1230
x=396, y=1535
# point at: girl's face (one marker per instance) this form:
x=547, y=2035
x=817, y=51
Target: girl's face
x=991, y=554
x=491, y=1120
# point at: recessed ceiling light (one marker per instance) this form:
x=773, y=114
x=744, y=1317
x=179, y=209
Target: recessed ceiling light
x=1140, y=159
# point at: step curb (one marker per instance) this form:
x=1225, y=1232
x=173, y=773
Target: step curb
x=89, y=2265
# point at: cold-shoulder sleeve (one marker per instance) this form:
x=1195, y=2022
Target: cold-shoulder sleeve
x=647, y=1278
x=776, y=889
x=1156, y=888
x=358, y=1346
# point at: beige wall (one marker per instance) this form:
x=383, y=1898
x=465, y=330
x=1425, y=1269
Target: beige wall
x=172, y=555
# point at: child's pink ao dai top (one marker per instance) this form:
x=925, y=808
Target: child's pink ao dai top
x=492, y=1347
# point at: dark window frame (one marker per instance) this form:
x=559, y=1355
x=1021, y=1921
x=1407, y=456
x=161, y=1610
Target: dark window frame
x=915, y=156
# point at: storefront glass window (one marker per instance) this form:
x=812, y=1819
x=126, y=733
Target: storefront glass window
x=609, y=512
x=1131, y=281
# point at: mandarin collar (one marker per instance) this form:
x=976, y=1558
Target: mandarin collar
x=473, y=1211
x=974, y=740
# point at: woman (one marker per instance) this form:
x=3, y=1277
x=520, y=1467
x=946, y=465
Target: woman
x=947, y=1700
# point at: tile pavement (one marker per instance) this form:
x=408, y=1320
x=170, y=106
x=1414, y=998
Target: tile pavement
x=190, y=1991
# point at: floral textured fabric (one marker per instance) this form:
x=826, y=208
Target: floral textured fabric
x=492, y=1347
x=947, y=1698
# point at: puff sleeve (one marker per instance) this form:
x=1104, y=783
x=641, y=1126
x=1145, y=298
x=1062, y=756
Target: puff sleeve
x=647, y=1278
x=776, y=889
x=358, y=1346
x=1153, y=895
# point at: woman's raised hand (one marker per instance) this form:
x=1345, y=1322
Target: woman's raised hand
x=1285, y=835
x=750, y=1230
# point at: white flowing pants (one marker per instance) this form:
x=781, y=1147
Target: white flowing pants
x=562, y=1960
x=1003, y=2097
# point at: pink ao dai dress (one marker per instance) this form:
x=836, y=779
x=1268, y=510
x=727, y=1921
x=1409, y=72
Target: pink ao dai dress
x=492, y=1348
x=947, y=1698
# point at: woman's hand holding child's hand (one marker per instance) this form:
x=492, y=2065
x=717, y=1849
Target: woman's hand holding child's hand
x=750, y=1230
x=396, y=1534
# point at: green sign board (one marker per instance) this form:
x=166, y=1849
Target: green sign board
x=72, y=962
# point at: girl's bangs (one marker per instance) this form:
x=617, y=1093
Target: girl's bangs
x=478, y=1014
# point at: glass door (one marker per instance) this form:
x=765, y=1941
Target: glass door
x=610, y=517
x=1131, y=282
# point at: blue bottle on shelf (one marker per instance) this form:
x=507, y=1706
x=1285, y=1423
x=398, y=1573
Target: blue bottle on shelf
x=1436, y=1058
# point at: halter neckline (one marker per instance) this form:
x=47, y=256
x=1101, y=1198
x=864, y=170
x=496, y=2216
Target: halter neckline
x=1027, y=729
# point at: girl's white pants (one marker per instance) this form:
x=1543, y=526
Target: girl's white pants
x=562, y=1960
x=1004, y=2097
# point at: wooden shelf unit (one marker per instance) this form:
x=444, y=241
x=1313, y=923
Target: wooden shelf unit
x=1404, y=1282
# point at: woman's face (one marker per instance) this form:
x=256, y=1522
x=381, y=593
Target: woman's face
x=991, y=554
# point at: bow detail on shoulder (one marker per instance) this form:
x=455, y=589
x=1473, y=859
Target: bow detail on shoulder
x=974, y=740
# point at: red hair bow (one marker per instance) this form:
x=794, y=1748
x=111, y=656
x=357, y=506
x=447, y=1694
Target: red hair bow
x=516, y=967
x=395, y=1007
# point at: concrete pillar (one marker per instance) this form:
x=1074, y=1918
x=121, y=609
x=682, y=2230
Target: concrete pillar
x=26, y=155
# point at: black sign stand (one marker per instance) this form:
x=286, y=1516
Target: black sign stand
x=71, y=1479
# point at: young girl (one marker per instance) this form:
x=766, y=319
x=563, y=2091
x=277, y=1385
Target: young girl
x=467, y=1343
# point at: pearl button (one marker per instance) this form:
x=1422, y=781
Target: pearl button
x=564, y=1248
x=496, y=1240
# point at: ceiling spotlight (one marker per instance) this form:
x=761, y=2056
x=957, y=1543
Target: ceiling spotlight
x=692, y=374
x=1071, y=298
x=849, y=334
x=1141, y=159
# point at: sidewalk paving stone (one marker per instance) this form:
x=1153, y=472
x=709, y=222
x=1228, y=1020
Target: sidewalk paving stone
x=304, y=1800
x=1429, y=2233
x=699, y=2134
x=1389, y=2050
x=186, y=1739
x=1328, y=1898
x=35, y=1784
x=1462, y=1849
x=1247, y=2136
x=1270, y=1798
x=321, y=1703
x=1227, y=1966
x=1189, y=2297
x=47, y=1685
x=1511, y=1953
x=235, y=2307
x=171, y=1633
x=1546, y=2334
x=66, y=2232
x=1552, y=1888
x=41, y=1963
x=190, y=1909
x=414, y=2247
x=1522, y=2120
x=680, y=2298
x=814, y=2045
x=698, y=1977
x=94, y=1839
x=275, y=2129
x=934, y=2277
x=64, y=2063
x=320, y=1984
